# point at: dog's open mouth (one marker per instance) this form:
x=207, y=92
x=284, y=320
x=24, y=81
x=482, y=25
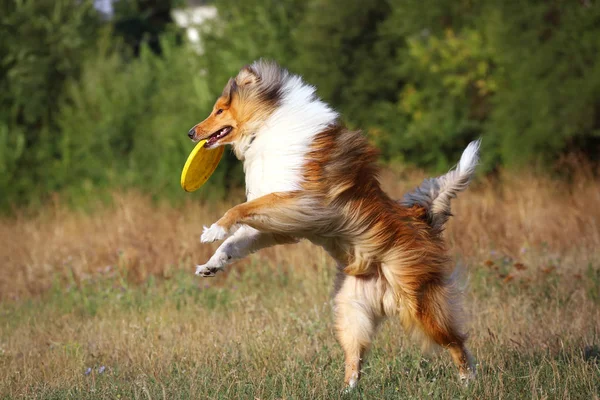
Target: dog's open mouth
x=220, y=134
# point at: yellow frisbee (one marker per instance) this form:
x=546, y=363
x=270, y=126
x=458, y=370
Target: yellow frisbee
x=200, y=165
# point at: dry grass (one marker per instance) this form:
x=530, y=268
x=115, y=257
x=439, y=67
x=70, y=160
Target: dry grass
x=79, y=291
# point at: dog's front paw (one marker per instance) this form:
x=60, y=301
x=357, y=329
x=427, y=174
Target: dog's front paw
x=206, y=270
x=212, y=234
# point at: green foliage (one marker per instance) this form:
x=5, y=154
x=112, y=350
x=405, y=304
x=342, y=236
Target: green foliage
x=43, y=43
x=87, y=104
x=11, y=150
x=342, y=52
x=126, y=123
x=444, y=101
x=141, y=22
x=549, y=100
x=246, y=31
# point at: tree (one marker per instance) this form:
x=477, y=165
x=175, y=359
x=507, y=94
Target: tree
x=549, y=97
x=43, y=44
x=342, y=51
x=142, y=21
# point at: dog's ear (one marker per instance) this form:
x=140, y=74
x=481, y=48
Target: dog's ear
x=247, y=76
x=228, y=91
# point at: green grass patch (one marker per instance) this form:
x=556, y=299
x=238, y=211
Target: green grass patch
x=268, y=333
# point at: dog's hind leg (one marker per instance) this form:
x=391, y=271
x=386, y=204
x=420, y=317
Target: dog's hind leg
x=243, y=242
x=357, y=319
x=436, y=313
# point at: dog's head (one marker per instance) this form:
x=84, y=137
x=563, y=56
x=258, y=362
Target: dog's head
x=243, y=107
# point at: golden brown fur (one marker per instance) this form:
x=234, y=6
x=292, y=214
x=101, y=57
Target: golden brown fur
x=392, y=259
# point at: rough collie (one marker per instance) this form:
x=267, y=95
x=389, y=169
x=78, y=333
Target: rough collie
x=307, y=176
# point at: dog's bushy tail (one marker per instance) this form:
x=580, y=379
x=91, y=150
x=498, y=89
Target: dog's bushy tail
x=435, y=194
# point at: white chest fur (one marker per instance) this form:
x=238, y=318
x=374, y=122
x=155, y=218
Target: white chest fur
x=275, y=160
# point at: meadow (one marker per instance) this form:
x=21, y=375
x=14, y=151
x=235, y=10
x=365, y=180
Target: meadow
x=103, y=303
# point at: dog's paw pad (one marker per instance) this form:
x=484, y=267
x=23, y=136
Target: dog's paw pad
x=212, y=234
x=206, y=271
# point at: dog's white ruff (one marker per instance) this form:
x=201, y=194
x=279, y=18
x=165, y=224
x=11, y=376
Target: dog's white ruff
x=274, y=161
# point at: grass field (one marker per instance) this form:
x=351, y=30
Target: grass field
x=104, y=304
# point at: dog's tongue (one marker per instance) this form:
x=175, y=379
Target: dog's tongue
x=210, y=141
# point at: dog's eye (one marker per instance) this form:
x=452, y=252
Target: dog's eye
x=219, y=111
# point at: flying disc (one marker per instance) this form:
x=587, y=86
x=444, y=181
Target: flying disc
x=200, y=165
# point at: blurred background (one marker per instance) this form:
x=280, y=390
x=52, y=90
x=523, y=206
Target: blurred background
x=98, y=95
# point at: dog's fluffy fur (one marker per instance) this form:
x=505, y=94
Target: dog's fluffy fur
x=307, y=176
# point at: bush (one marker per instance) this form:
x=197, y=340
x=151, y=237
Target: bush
x=443, y=102
x=81, y=111
x=44, y=43
x=246, y=31
x=126, y=123
x=548, y=102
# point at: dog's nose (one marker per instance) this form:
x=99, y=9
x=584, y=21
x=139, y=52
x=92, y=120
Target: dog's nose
x=192, y=132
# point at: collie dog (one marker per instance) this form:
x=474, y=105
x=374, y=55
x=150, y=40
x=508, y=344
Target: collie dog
x=307, y=176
